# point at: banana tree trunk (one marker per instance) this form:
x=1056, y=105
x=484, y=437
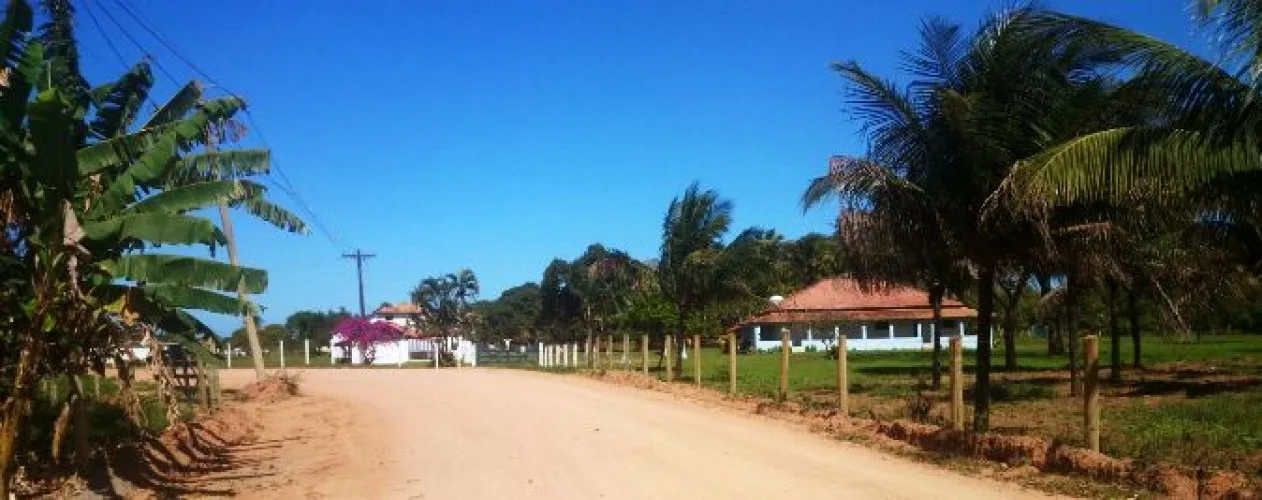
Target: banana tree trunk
x=16, y=408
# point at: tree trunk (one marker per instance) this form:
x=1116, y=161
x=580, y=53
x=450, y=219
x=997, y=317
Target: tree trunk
x=985, y=311
x=16, y=408
x=1115, y=335
x=936, y=293
x=79, y=424
x=1071, y=320
x=251, y=330
x=1132, y=313
x=1010, y=338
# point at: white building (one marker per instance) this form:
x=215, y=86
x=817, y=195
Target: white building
x=414, y=346
x=885, y=318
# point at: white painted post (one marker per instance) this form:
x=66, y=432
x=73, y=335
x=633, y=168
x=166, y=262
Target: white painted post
x=961, y=324
x=891, y=329
x=434, y=344
x=540, y=354
x=282, y=354
x=574, y=354
x=920, y=331
x=864, y=329
x=306, y=350
x=229, y=355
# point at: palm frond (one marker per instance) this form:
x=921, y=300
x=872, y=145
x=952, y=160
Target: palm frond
x=187, y=271
x=274, y=214
x=177, y=107
x=156, y=228
x=198, y=195
x=220, y=165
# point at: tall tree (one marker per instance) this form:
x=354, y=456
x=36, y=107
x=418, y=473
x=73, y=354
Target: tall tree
x=692, y=232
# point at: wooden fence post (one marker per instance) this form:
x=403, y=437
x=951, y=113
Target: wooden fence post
x=731, y=363
x=696, y=360
x=626, y=350
x=957, y=383
x=1091, y=391
x=843, y=385
x=670, y=375
x=644, y=354
x=785, y=349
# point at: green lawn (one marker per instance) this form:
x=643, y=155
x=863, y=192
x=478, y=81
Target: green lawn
x=1195, y=403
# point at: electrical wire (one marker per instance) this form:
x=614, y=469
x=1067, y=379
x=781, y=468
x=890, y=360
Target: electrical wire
x=281, y=181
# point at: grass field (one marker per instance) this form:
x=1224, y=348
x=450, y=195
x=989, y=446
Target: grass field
x=1195, y=403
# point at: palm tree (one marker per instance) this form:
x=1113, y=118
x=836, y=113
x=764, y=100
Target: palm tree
x=445, y=299
x=883, y=209
x=692, y=232
x=979, y=104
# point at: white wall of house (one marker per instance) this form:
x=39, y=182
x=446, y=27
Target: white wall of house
x=401, y=351
x=866, y=336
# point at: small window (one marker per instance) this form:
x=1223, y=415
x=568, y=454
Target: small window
x=768, y=333
x=950, y=324
x=879, y=326
x=389, y=317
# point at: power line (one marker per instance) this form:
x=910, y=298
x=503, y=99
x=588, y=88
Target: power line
x=282, y=181
x=108, y=42
x=139, y=46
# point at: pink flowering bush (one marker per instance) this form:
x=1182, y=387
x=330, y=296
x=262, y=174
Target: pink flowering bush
x=364, y=334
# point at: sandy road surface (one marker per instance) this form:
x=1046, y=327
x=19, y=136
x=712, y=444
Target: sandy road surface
x=485, y=433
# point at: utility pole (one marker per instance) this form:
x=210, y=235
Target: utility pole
x=360, y=257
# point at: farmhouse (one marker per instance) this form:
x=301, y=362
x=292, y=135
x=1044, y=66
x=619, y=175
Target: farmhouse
x=410, y=343
x=886, y=318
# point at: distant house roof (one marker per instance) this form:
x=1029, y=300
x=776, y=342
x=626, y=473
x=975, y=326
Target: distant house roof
x=402, y=309
x=843, y=299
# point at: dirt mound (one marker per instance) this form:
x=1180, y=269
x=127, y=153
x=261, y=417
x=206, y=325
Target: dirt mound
x=272, y=389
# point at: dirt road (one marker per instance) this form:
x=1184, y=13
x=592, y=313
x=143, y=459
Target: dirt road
x=485, y=433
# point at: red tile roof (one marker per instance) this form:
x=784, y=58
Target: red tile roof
x=843, y=299
x=402, y=308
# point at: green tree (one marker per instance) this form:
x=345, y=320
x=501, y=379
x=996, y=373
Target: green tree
x=692, y=233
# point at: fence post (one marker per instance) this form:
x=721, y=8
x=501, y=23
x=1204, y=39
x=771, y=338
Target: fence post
x=574, y=354
x=644, y=354
x=843, y=385
x=587, y=351
x=282, y=354
x=306, y=350
x=540, y=363
x=332, y=358
x=1091, y=392
x=957, y=383
x=669, y=355
x=785, y=349
x=229, y=355
x=696, y=360
x=731, y=363
x=626, y=349
x=609, y=352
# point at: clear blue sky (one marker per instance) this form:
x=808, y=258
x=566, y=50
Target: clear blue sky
x=496, y=135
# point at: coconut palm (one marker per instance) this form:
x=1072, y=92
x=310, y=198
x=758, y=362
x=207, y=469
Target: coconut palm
x=692, y=233
x=979, y=103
